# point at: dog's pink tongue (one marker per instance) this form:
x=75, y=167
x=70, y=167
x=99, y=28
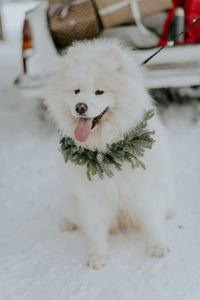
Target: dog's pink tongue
x=83, y=129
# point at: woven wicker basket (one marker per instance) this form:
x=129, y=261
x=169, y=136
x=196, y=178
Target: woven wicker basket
x=71, y=20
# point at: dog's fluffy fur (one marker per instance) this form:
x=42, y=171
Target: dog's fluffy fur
x=131, y=197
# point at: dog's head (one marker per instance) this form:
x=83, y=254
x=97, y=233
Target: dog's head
x=99, y=95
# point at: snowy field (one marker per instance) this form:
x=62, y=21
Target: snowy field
x=37, y=261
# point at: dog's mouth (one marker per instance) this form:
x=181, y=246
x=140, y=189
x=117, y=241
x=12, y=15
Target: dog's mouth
x=85, y=125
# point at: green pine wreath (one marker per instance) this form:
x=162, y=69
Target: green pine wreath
x=129, y=149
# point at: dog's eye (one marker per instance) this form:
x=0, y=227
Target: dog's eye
x=98, y=92
x=77, y=91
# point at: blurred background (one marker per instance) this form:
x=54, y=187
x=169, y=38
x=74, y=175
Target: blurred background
x=37, y=260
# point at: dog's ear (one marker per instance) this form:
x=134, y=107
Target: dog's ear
x=72, y=56
x=123, y=60
x=114, y=58
x=72, y=52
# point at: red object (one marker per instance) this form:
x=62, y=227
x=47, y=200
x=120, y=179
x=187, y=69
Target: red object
x=27, y=39
x=192, y=11
x=27, y=45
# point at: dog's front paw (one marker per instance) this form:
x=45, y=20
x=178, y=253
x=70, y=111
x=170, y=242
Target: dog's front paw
x=66, y=225
x=157, y=250
x=96, y=261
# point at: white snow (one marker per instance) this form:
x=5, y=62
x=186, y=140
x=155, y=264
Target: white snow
x=38, y=262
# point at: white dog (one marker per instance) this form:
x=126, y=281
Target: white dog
x=101, y=78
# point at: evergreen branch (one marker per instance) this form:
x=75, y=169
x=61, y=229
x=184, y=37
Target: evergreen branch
x=129, y=149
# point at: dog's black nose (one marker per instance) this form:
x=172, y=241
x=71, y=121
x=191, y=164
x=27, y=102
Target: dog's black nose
x=81, y=108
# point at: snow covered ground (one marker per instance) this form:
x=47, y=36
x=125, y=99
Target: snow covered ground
x=37, y=261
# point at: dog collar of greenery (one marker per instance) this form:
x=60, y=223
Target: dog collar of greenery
x=129, y=149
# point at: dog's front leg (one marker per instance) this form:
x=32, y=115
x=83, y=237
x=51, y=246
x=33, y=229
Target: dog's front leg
x=97, y=249
x=94, y=222
x=151, y=224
